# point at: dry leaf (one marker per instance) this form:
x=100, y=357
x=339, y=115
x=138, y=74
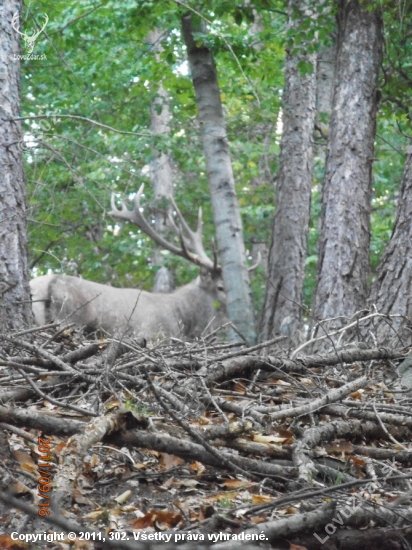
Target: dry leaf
x=258, y=519
x=236, y=484
x=139, y=466
x=170, y=461
x=284, y=432
x=79, y=497
x=189, y=483
x=121, y=499
x=356, y=395
x=25, y=461
x=94, y=460
x=8, y=543
x=57, y=450
x=261, y=499
x=357, y=461
x=198, y=467
x=307, y=381
x=165, y=517
x=240, y=388
x=95, y=515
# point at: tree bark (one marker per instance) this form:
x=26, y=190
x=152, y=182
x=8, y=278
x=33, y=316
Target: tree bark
x=15, y=308
x=391, y=290
x=287, y=256
x=259, y=250
x=161, y=171
x=343, y=265
x=325, y=83
x=325, y=76
x=229, y=231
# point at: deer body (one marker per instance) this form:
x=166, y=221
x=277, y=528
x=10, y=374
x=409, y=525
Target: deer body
x=186, y=312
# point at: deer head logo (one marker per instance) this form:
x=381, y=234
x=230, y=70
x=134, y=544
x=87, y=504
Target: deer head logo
x=29, y=40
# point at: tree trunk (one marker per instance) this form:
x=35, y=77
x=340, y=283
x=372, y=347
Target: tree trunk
x=343, y=265
x=325, y=77
x=161, y=172
x=15, y=307
x=391, y=290
x=287, y=256
x=226, y=213
x=325, y=83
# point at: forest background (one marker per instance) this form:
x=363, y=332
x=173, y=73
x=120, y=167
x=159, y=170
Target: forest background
x=107, y=64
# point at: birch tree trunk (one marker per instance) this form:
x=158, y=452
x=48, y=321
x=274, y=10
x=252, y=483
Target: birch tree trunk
x=161, y=172
x=229, y=231
x=288, y=251
x=343, y=265
x=391, y=290
x=15, y=307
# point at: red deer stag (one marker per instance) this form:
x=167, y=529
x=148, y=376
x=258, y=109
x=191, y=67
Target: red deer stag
x=186, y=312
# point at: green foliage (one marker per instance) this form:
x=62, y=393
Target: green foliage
x=100, y=66
x=312, y=26
x=394, y=122
x=388, y=169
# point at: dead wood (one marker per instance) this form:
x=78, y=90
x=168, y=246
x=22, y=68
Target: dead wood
x=382, y=454
x=236, y=427
x=42, y=422
x=71, y=459
x=193, y=451
x=285, y=528
x=333, y=395
x=388, y=418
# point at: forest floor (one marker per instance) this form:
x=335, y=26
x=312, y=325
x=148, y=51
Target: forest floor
x=195, y=445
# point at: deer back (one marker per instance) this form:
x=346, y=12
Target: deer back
x=186, y=312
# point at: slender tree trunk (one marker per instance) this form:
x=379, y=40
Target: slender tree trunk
x=15, y=308
x=161, y=171
x=391, y=291
x=259, y=250
x=343, y=265
x=287, y=256
x=226, y=213
x=325, y=80
x=325, y=84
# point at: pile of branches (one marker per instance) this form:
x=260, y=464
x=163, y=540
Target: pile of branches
x=212, y=444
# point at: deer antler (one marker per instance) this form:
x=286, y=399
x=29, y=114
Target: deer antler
x=191, y=245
